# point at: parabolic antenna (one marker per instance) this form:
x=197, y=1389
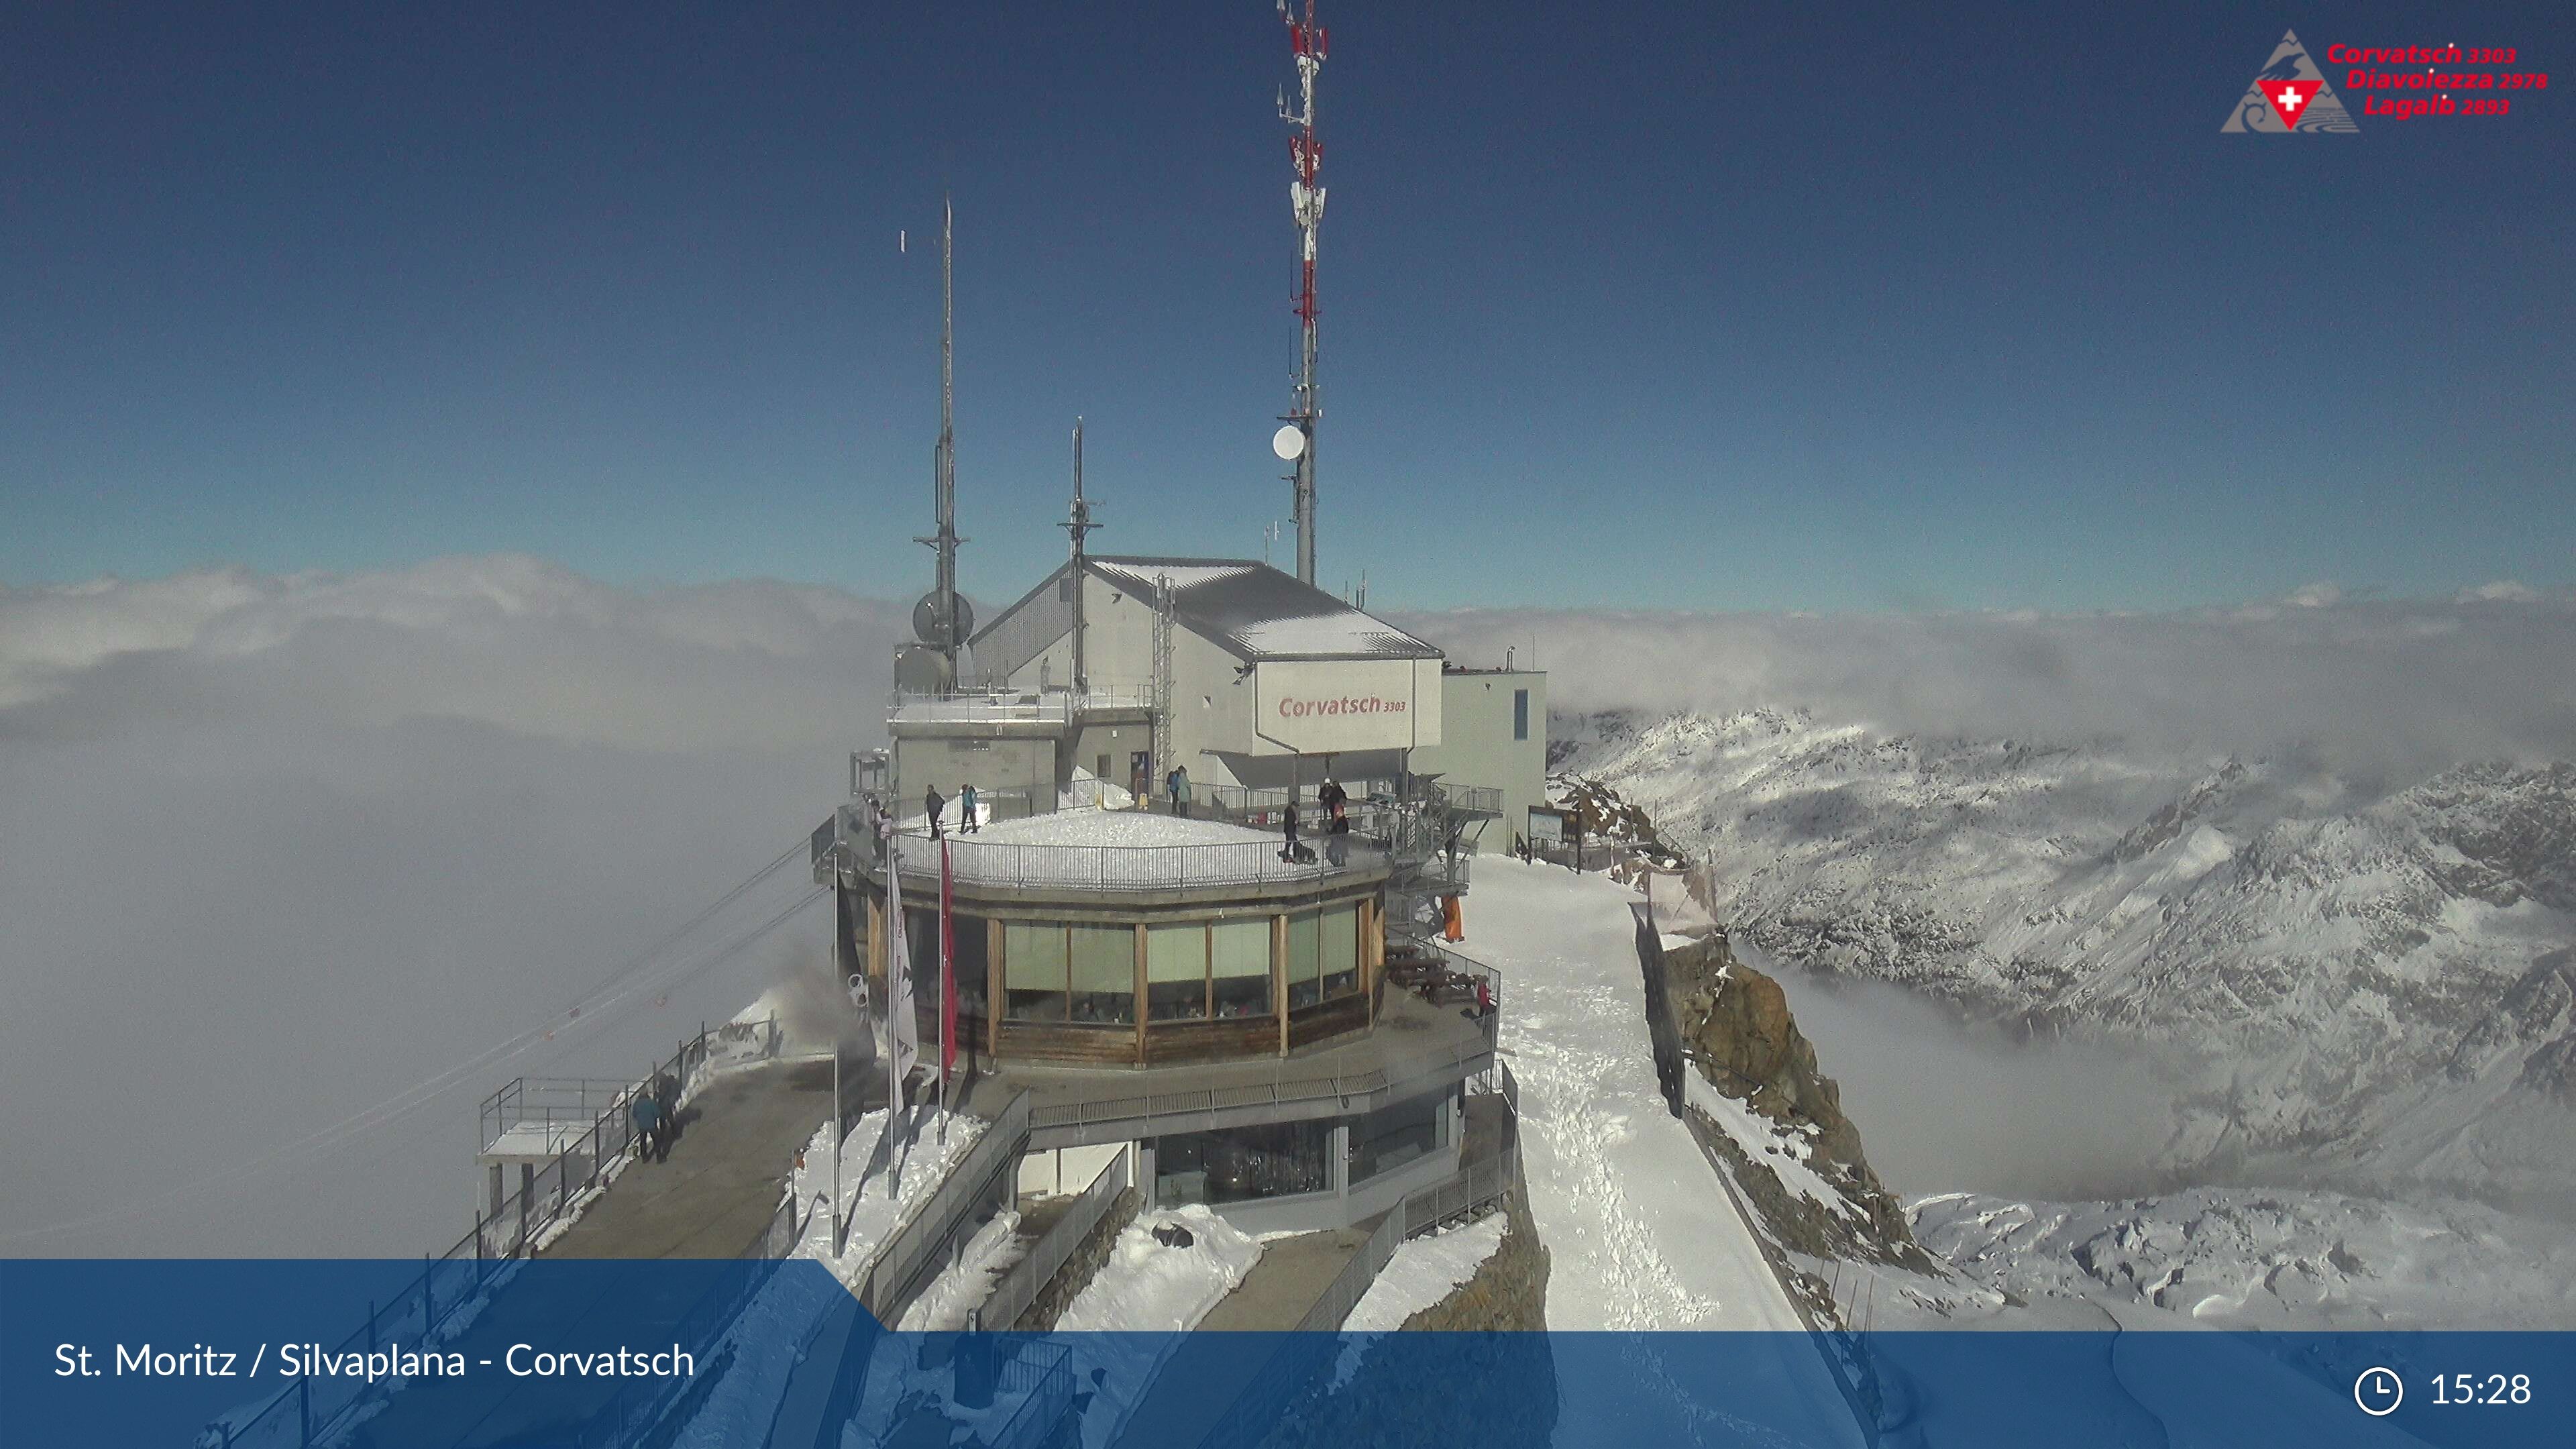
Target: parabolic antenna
x=931, y=629
x=1288, y=442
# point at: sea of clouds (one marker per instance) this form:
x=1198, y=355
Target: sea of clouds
x=274, y=849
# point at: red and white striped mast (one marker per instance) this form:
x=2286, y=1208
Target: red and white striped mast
x=1306, y=199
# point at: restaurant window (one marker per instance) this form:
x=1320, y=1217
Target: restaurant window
x=1176, y=972
x=1305, y=959
x=1033, y=971
x=973, y=964
x=1244, y=1163
x=1104, y=974
x=1239, y=963
x=1341, y=951
x=1398, y=1133
x=921, y=941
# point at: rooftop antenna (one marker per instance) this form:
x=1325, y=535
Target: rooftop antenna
x=1269, y=536
x=1295, y=443
x=942, y=620
x=1078, y=525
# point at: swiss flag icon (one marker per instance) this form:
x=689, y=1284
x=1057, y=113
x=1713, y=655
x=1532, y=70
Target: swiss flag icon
x=2290, y=98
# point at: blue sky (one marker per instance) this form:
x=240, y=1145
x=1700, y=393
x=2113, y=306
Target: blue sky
x=1706, y=306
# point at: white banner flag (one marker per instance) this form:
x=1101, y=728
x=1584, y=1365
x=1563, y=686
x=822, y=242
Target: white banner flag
x=903, y=1037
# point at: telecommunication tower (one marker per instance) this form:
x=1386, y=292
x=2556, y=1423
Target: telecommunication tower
x=942, y=620
x=1079, y=525
x=1295, y=443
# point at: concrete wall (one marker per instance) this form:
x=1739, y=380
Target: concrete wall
x=990, y=765
x=1477, y=746
x=1211, y=703
x=1213, y=699
x=1054, y=1170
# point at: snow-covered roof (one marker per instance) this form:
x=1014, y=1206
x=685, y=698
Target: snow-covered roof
x=1118, y=850
x=1245, y=607
x=1257, y=612
x=1118, y=827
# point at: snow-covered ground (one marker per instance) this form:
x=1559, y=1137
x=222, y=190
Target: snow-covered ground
x=1113, y=847
x=962, y=1286
x=1639, y=1234
x=2264, y=1259
x=1130, y=1316
x=1423, y=1271
x=881, y=1182
x=1151, y=1287
x=1639, y=1231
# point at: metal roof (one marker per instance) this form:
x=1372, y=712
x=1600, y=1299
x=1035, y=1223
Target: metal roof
x=1255, y=611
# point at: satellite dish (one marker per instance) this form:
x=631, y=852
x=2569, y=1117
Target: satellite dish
x=931, y=629
x=1288, y=442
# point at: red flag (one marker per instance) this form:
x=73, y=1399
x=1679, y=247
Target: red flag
x=947, y=967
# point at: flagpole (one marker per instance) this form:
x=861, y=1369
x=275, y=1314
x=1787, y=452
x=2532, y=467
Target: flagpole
x=903, y=1037
x=947, y=986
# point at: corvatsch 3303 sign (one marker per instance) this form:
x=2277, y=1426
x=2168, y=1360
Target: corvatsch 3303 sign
x=1325, y=706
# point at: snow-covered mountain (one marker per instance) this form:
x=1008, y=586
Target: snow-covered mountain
x=2361, y=983
x=2272, y=1259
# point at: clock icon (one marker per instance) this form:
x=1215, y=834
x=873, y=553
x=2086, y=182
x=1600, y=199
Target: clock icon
x=2378, y=1391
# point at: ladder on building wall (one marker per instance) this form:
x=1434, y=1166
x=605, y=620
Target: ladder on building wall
x=1162, y=742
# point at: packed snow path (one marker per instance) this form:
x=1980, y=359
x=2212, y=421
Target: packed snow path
x=1640, y=1233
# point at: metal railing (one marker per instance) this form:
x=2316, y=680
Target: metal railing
x=1039, y=1370
x=932, y=1233
x=641, y=1402
x=1303, y=1355
x=317, y=1408
x=548, y=1101
x=1352, y=1284
x=970, y=702
x=1142, y=1110
x=1026, y=865
x=1473, y=799
x=1029, y=1277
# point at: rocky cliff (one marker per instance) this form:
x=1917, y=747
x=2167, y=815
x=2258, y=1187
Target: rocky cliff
x=1745, y=1045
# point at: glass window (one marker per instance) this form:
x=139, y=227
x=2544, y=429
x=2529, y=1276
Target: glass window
x=1239, y=959
x=1397, y=1134
x=921, y=938
x=1244, y=1163
x=1305, y=958
x=1033, y=971
x=1341, y=951
x=1520, y=714
x=972, y=964
x=1176, y=971
x=1104, y=974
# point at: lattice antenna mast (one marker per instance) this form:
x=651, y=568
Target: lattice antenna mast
x=1306, y=40
x=946, y=630
x=1079, y=525
x=1162, y=683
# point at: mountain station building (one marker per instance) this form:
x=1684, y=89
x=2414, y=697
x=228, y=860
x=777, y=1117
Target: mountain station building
x=1291, y=1037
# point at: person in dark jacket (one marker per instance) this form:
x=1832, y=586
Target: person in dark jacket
x=666, y=1098
x=1179, y=783
x=932, y=804
x=1337, y=844
x=647, y=1115
x=1288, y=824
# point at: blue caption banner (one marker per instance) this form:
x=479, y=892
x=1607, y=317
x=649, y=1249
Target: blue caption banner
x=257, y=1355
